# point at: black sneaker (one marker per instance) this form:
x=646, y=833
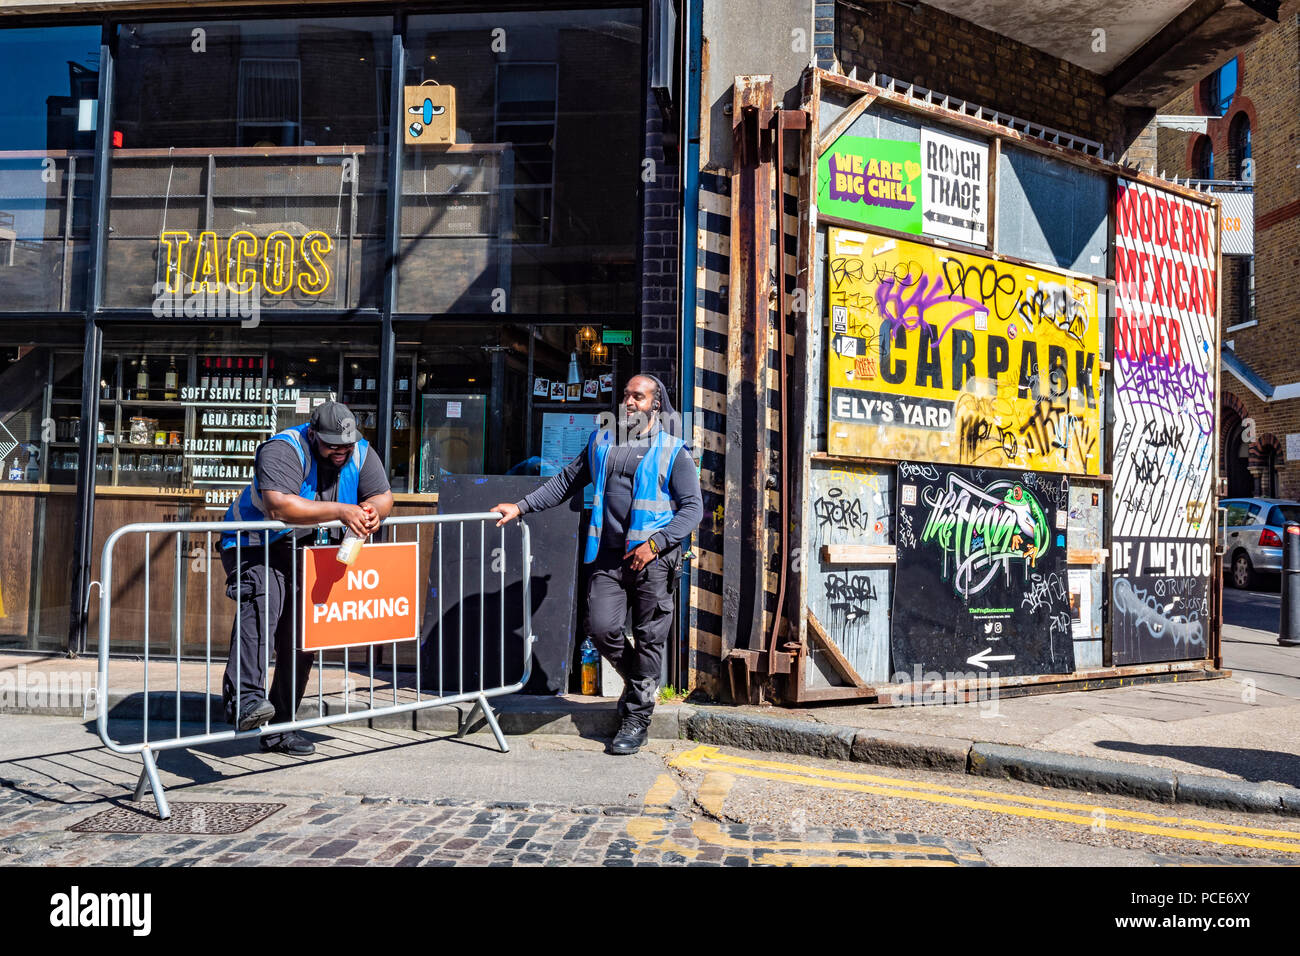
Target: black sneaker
x=294, y=744
x=631, y=737
x=254, y=714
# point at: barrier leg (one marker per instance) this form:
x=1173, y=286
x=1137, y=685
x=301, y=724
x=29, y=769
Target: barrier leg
x=481, y=706
x=149, y=781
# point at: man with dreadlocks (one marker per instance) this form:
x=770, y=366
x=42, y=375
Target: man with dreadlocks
x=646, y=503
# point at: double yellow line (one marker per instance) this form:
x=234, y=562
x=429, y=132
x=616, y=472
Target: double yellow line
x=710, y=759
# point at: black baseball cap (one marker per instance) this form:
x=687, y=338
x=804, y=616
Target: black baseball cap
x=334, y=424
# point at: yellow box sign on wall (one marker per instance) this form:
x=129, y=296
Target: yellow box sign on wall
x=936, y=355
x=430, y=115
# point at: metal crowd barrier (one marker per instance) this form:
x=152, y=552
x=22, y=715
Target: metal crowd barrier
x=148, y=747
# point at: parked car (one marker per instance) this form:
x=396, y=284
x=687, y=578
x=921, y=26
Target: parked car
x=1252, y=542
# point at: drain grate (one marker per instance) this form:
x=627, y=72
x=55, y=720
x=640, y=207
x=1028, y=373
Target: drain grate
x=203, y=818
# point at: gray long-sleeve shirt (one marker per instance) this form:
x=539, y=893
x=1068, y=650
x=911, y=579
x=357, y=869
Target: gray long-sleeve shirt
x=683, y=485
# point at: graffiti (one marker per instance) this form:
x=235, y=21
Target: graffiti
x=907, y=469
x=976, y=432
x=1163, y=436
x=1043, y=591
x=1147, y=469
x=845, y=588
x=845, y=514
x=1135, y=608
x=843, y=269
x=902, y=311
x=849, y=598
x=1174, y=388
x=982, y=530
x=904, y=535
x=1053, y=302
x=1053, y=427
x=1059, y=624
x=996, y=291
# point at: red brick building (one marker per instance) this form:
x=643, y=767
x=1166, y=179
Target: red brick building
x=1241, y=124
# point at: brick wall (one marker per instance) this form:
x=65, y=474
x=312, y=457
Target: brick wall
x=659, y=321
x=942, y=52
x=1268, y=93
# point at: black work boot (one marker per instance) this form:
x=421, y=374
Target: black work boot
x=254, y=714
x=631, y=737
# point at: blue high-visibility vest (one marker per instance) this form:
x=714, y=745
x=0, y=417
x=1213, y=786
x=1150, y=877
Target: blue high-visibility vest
x=652, y=504
x=248, y=506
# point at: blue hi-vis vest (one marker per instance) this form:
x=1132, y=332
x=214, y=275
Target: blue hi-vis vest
x=652, y=505
x=248, y=506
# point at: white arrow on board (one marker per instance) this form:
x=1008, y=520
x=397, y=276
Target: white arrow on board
x=988, y=655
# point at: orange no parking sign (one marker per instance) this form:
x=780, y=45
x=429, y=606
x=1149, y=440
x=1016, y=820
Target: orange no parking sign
x=371, y=601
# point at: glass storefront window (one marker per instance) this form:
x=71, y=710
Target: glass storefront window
x=533, y=207
x=500, y=399
x=249, y=159
x=40, y=388
x=47, y=134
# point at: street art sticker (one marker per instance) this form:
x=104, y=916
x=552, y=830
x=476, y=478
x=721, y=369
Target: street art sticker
x=1166, y=347
x=953, y=357
x=981, y=581
x=876, y=182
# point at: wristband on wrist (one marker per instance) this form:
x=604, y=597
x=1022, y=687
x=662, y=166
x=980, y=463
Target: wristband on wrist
x=654, y=548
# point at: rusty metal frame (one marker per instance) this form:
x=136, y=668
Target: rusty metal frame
x=749, y=304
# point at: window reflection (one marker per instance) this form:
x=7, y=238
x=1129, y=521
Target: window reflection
x=50, y=79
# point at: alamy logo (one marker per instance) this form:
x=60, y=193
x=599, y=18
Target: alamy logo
x=77, y=909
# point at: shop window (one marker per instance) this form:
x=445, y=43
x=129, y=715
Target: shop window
x=270, y=102
x=47, y=133
x=252, y=162
x=526, y=117
x=533, y=208
x=40, y=389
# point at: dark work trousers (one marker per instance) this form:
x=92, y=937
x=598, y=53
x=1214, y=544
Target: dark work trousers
x=266, y=590
x=613, y=588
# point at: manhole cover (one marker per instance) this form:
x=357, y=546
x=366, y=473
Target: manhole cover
x=208, y=818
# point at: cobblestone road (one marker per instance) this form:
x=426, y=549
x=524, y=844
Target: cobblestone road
x=378, y=831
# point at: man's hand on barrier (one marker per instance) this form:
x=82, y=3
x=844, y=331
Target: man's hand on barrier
x=356, y=519
x=508, y=512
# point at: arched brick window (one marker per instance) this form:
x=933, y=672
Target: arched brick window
x=1203, y=158
x=1239, y=160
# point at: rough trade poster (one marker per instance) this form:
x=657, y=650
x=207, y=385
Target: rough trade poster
x=981, y=584
x=1166, y=349
x=946, y=356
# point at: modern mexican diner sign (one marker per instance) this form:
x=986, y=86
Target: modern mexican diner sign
x=981, y=584
x=945, y=356
x=1166, y=349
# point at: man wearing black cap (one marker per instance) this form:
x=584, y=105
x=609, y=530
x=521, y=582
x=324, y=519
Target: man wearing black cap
x=646, y=503
x=321, y=471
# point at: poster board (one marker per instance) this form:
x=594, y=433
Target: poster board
x=1166, y=350
x=981, y=585
x=946, y=356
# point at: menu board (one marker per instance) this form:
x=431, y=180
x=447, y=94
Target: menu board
x=229, y=424
x=564, y=436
